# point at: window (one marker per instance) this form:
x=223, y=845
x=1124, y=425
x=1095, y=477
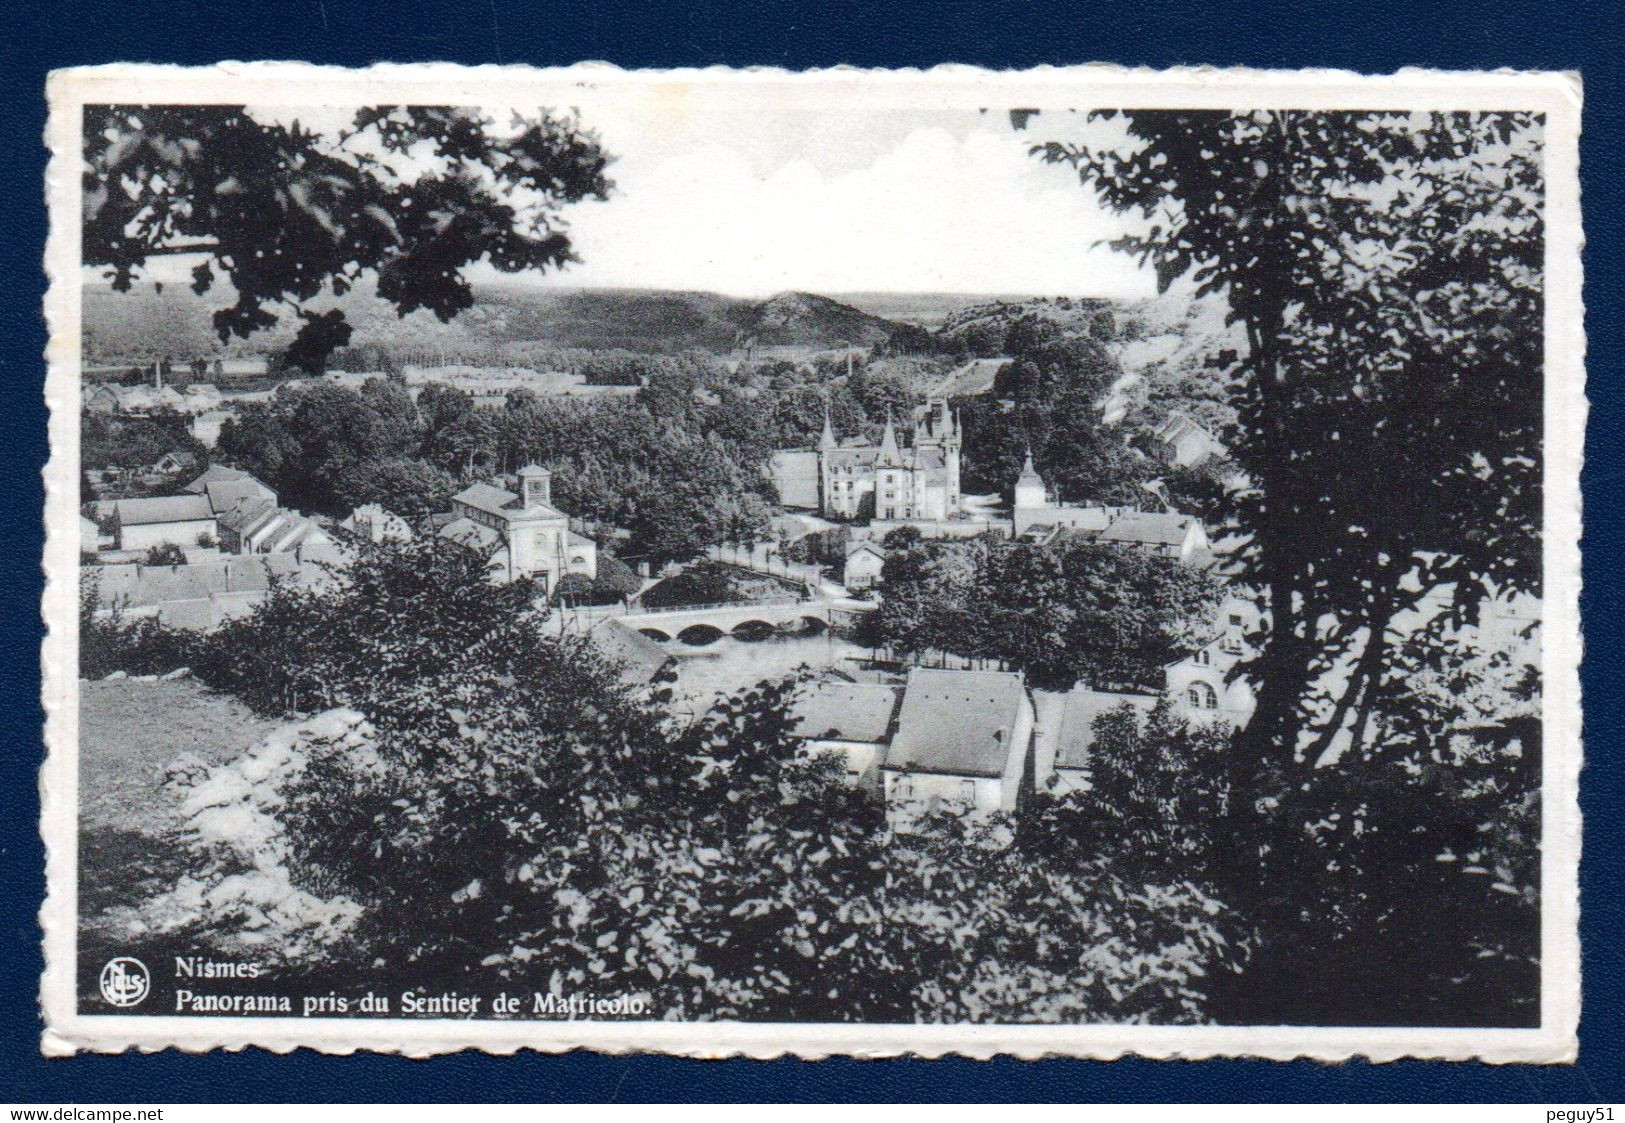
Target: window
x=1203, y=658
x=1236, y=620
x=1201, y=696
x=967, y=792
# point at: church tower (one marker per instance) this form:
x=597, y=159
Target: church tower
x=1030, y=487
x=535, y=487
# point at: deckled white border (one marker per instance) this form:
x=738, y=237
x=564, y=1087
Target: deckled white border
x=835, y=90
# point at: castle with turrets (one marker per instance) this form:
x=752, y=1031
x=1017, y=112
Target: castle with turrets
x=860, y=480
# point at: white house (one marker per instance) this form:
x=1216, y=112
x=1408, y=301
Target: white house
x=1183, y=442
x=961, y=744
x=372, y=523
x=1062, y=752
x=854, y=720
x=173, y=520
x=864, y=561
x=1162, y=534
x=1199, y=684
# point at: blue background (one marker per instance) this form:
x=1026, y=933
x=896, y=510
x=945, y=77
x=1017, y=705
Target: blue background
x=1372, y=37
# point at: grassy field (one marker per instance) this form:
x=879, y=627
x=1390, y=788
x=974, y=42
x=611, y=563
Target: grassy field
x=129, y=733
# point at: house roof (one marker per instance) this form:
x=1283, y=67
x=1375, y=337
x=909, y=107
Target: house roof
x=846, y=711
x=215, y=473
x=870, y=547
x=1082, y=707
x=957, y=723
x=163, y=509
x=223, y=495
x=142, y=585
x=1160, y=527
x=638, y=657
x=501, y=502
x=470, y=533
x=179, y=456
x=245, y=513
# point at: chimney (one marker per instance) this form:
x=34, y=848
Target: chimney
x=535, y=487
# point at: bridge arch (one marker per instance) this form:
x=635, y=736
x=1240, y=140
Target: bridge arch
x=752, y=630
x=700, y=635
x=656, y=634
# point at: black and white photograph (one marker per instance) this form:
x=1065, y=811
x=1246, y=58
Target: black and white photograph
x=855, y=563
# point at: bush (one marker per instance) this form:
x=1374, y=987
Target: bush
x=539, y=826
x=110, y=642
x=166, y=553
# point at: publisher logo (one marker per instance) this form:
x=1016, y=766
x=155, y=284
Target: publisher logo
x=125, y=981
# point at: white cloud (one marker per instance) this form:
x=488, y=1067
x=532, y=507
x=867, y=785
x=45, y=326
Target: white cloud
x=935, y=212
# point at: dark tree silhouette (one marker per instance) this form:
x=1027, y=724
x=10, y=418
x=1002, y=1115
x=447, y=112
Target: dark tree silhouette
x=1386, y=269
x=287, y=214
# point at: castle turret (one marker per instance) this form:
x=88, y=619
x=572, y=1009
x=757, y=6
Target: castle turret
x=889, y=454
x=827, y=440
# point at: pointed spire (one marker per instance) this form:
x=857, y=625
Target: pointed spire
x=888, y=444
x=1027, y=469
x=827, y=439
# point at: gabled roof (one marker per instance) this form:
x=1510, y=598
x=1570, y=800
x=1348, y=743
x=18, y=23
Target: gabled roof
x=846, y=711
x=501, y=502
x=223, y=495
x=179, y=456
x=163, y=509
x=1082, y=707
x=957, y=723
x=245, y=513
x=637, y=657
x=866, y=545
x=215, y=473
x=1157, y=527
x=470, y=533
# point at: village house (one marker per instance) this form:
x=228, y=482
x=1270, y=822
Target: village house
x=198, y=597
x=1035, y=517
x=864, y=561
x=174, y=462
x=166, y=520
x=1199, y=684
x=137, y=401
x=213, y=507
x=1163, y=534
x=257, y=526
x=1065, y=737
x=372, y=523
x=1183, y=442
x=529, y=536
x=961, y=744
x=855, y=720
x=854, y=479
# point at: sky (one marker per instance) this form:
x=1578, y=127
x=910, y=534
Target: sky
x=752, y=203
x=730, y=195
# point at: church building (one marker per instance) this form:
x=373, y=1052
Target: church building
x=855, y=479
x=532, y=537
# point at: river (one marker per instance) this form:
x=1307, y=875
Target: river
x=731, y=664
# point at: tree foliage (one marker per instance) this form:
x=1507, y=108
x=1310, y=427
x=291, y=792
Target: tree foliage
x=545, y=830
x=284, y=213
x=1386, y=270
x=1109, y=617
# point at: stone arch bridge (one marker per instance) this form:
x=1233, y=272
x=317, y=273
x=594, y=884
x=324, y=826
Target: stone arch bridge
x=705, y=623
